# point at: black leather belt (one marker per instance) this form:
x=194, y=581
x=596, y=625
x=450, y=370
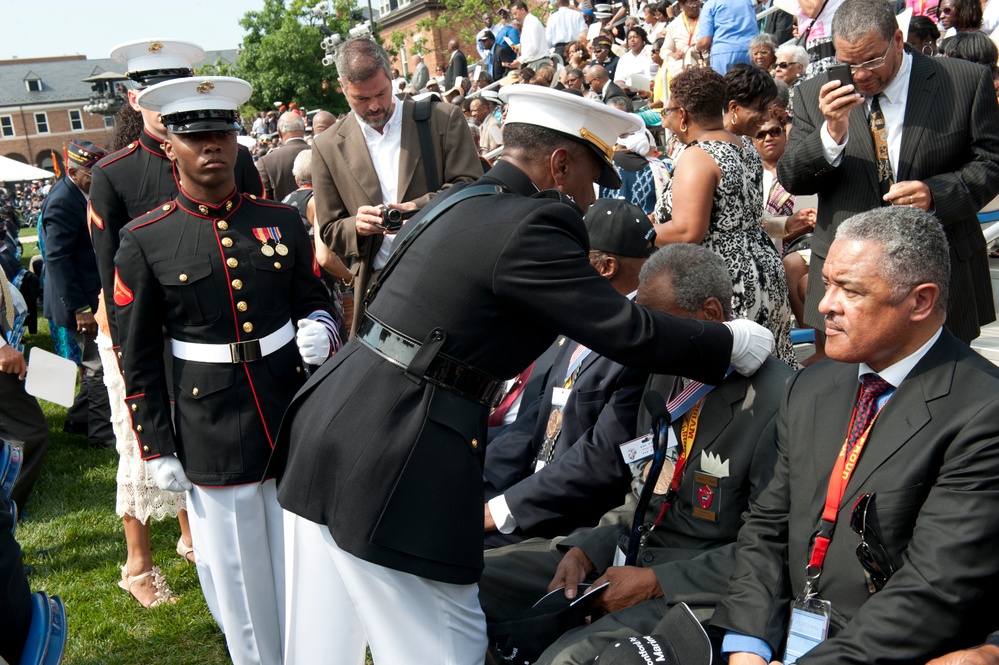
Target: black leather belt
x=447, y=373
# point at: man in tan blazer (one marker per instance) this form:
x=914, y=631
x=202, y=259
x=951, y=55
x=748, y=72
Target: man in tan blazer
x=373, y=156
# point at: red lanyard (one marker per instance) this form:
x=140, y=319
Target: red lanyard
x=838, y=480
x=687, y=433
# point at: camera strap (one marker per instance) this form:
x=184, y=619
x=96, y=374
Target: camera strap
x=421, y=114
x=419, y=227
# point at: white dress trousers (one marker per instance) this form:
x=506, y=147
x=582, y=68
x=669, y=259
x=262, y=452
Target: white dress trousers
x=239, y=539
x=337, y=601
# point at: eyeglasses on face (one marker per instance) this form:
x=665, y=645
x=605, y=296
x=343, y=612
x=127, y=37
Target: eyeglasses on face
x=945, y=11
x=870, y=552
x=669, y=109
x=871, y=64
x=785, y=65
x=773, y=133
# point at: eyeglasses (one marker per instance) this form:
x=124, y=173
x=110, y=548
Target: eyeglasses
x=871, y=553
x=945, y=11
x=773, y=133
x=872, y=64
x=785, y=65
x=669, y=109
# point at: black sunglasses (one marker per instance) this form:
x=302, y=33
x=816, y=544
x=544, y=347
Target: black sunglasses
x=871, y=553
x=773, y=133
x=784, y=65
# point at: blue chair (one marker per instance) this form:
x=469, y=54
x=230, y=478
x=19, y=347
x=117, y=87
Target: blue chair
x=47, y=634
x=11, y=459
x=802, y=336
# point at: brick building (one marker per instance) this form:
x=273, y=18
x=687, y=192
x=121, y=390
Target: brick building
x=42, y=104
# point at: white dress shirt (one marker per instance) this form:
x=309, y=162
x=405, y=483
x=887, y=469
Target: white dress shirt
x=384, y=149
x=565, y=26
x=533, y=43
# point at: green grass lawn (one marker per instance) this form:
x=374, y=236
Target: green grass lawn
x=73, y=539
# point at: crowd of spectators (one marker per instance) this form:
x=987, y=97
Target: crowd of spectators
x=737, y=166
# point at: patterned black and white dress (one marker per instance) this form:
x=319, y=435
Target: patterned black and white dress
x=735, y=232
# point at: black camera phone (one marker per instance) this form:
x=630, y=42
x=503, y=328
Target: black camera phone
x=841, y=72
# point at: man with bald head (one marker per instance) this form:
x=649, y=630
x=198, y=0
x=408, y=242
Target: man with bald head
x=275, y=167
x=321, y=122
x=457, y=65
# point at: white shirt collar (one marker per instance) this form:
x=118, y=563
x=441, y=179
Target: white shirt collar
x=899, y=86
x=394, y=121
x=895, y=374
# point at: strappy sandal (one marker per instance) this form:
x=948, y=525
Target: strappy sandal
x=183, y=550
x=163, y=592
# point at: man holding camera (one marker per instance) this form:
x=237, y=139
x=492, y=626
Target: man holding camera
x=374, y=157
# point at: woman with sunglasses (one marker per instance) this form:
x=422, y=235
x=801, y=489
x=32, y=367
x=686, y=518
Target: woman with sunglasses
x=960, y=16
x=783, y=223
x=715, y=198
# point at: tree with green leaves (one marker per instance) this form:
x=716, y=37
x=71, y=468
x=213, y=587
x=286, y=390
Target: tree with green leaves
x=281, y=55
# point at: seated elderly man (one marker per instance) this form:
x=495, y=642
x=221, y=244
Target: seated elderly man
x=690, y=552
x=881, y=515
x=557, y=467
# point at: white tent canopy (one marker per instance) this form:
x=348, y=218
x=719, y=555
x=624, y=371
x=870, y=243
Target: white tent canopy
x=12, y=170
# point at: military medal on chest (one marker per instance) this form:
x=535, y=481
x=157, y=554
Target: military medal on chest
x=265, y=234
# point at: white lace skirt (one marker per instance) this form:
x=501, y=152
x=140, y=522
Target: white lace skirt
x=138, y=494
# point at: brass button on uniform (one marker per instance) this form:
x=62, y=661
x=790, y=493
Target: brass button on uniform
x=242, y=306
x=277, y=265
x=298, y=369
x=222, y=224
x=475, y=443
x=145, y=449
x=138, y=428
x=119, y=354
x=203, y=209
x=227, y=242
x=231, y=262
x=135, y=407
x=195, y=391
x=237, y=284
x=183, y=277
x=248, y=327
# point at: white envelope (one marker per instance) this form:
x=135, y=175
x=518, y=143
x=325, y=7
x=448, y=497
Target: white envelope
x=50, y=377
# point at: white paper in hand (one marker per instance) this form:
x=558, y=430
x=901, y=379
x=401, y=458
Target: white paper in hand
x=50, y=377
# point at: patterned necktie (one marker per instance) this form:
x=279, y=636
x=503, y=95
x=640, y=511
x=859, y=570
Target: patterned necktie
x=879, y=132
x=873, y=387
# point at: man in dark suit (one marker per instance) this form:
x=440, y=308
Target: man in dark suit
x=882, y=506
x=558, y=467
x=380, y=458
x=501, y=55
x=275, y=166
x=456, y=66
x=939, y=132
x=373, y=156
x=599, y=81
x=72, y=282
x=689, y=555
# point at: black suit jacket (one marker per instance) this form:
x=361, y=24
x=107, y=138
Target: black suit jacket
x=612, y=89
x=950, y=141
x=71, y=278
x=275, y=169
x=933, y=459
x=587, y=476
x=694, y=557
x=394, y=467
x=457, y=66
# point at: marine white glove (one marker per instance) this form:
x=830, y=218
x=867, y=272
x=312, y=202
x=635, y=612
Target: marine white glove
x=313, y=341
x=751, y=344
x=169, y=474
